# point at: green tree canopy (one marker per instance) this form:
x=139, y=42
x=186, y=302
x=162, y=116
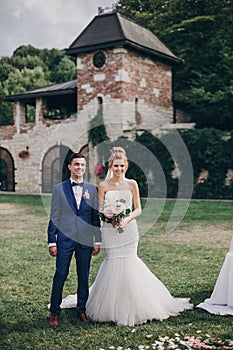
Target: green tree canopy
x=24, y=80
x=200, y=32
x=65, y=70
x=29, y=68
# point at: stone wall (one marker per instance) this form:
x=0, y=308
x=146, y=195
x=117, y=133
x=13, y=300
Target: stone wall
x=124, y=77
x=134, y=92
x=127, y=82
x=28, y=174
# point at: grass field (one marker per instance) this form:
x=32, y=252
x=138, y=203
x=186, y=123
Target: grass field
x=186, y=260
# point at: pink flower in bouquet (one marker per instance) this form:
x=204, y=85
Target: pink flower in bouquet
x=118, y=209
x=114, y=212
x=108, y=213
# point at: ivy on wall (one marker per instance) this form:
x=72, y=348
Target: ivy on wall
x=97, y=131
x=96, y=136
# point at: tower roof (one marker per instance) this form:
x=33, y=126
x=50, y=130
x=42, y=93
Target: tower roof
x=113, y=29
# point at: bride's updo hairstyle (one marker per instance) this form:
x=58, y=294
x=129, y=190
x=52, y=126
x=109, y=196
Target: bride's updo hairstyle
x=117, y=153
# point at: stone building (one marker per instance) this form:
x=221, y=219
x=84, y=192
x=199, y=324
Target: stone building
x=124, y=75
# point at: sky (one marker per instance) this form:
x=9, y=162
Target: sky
x=45, y=24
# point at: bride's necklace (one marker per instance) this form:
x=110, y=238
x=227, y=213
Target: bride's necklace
x=116, y=183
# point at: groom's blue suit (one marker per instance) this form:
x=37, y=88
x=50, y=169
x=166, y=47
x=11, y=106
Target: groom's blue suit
x=73, y=229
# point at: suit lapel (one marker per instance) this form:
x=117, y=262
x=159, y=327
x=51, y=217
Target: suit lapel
x=67, y=188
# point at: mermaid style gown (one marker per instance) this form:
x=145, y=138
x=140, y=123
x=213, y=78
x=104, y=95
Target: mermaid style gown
x=125, y=291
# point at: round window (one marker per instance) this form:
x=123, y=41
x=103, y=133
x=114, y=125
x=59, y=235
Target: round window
x=99, y=59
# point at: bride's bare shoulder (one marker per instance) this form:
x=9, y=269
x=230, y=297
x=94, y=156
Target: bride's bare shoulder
x=132, y=182
x=103, y=185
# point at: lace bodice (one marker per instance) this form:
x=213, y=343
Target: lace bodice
x=120, y=194
x=120, y=244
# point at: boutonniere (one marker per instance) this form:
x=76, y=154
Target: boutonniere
x=86, y=194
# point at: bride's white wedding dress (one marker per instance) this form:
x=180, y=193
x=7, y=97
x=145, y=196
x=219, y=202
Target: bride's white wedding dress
x=125, y=291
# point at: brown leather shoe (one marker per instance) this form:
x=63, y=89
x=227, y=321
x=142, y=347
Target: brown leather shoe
x=83, y=318
x=53, y=321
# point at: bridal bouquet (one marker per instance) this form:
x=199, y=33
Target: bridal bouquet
x=114, y=211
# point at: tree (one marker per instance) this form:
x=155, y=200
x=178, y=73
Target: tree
x=65, y=70
x=29, y=68
x=26, y=50
x=53, y=58
x=5, y=68
x=200, y=32
x=25, y=80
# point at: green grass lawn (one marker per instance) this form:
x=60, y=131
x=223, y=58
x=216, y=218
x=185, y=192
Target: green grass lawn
x=186, y=260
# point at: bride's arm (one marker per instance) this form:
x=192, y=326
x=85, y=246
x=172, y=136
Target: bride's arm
x=136, y=203
x=101, y=193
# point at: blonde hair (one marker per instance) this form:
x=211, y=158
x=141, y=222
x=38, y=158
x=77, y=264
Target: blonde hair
x=117, y=153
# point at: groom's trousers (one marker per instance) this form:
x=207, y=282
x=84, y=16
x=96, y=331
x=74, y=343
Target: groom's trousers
x=83, y=255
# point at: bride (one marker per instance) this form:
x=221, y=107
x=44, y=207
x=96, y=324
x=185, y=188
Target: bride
x=125, y=291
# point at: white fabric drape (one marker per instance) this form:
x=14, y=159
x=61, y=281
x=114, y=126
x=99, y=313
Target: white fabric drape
x=221, y=299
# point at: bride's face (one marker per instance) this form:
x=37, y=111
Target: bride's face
x=119, y=167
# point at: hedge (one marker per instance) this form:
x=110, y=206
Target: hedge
x=210, y=151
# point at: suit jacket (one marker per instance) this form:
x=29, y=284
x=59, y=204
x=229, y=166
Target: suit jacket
x=67, y=222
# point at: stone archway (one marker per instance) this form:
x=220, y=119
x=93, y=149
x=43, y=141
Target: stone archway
x=7, y=171
x=54, y=167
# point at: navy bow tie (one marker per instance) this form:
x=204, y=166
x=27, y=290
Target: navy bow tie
x=77, y=184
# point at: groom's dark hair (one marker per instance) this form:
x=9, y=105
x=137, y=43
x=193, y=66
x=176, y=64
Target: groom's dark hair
x=75, y=155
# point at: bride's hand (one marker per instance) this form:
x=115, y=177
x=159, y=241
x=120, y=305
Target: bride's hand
x=123, y=222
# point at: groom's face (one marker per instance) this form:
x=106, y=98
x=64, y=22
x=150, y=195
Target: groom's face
x=77, y=168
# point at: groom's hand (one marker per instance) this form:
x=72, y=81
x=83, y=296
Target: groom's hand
x=96, y=250
x=53, y=251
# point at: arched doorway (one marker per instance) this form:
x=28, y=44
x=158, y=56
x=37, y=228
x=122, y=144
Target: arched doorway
x=54, y=167
x=7, y=171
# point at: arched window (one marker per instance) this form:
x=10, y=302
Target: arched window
x=100, y=100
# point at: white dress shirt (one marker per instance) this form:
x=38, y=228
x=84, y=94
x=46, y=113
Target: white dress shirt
x=78, y=190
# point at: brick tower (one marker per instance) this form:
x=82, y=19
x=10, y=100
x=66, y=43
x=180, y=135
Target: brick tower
x=128, y=70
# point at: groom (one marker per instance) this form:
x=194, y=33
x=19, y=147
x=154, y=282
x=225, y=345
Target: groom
x=74, y=227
